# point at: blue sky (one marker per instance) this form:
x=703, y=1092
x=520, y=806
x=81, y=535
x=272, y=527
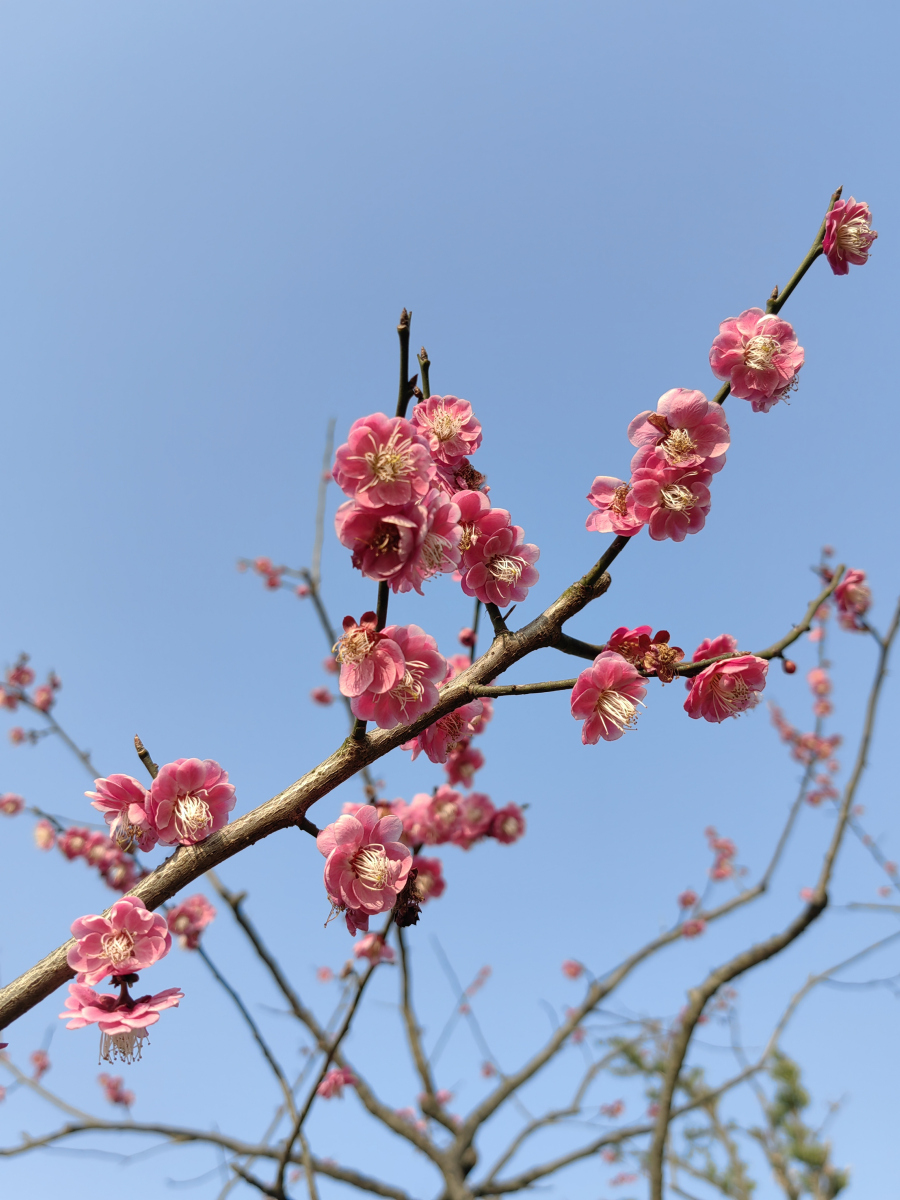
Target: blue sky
x=212, y=215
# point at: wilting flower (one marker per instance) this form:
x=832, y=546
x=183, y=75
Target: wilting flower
x=189, y=800
x=116, y=1092
x=385, y=461
x=686, y=429
x=334, y=1083
x=430, y=882
x=632, y=644
x=854, y=599
x=413, y=694
x=449, y=427
x=123, y=1021
x=606, y=696
x=370, y=660
x=11, y=804
x=499, y=568
x=447, y=734
x=674, y=501
x=366, y=863
x=374, y=948
x=758, y=355
x=662, y=658
x=44, y=835
x=188, y=919
x=508, y=824
x=727, y=688
x=123, y=802
x=848, y=235
x=129, y=939
x=614, y=501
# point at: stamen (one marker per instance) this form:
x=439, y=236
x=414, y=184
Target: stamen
x=410, y=689
x=507, y=568
x=678, y=446
x=855, y=235
x=469, y=537
x=389, y=462
x=353, y=647
x=117, y=946
x=759, y=352
x=445, y=425
x=372, y=866
x=124, y=1046
x=616, y=710
x=192, y=816
x=619, y=502
x=677, y=497
x=433, y=551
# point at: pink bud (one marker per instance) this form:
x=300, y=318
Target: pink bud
x=788, y=666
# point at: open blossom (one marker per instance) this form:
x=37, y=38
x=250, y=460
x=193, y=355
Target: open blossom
x=384, y=462
x=334, y=1083
x=688, y=899
x=123, y=802
x=727, y=688
x=508, y=824
x=475, y=819
x=439, y=740
x=854, y=599
x=43, y=697
x=72, y=842
x=674, y=501
x=606, y=696
x=819, y=683
x=188, y=919
x=430, y=882
x=449, y=427
x=366, y=864
x=402, y=546
x=11, y=804
x=693, y=928
x=374, y=948
x=129, y=939
x=370, y=661
x=430, y=820
x=758, y=355
x=116, y=1092
x=44, y=835
x=189, y=800
x=462, y=763
x=848, y=235
x=614, y=501
x=123, y=1022
x=499, y=568
x=686, y=429
x=20, y=675
x=416, y=691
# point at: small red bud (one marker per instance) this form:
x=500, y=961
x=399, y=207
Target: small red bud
x=788, y=666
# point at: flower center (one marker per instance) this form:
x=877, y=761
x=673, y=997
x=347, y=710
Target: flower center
x=469, y=536
x=385, y=539
x=855, y=235
x=433, y=551
x=389, y=462
x=619, y=502
x=409, y=690
x=118, y=946
x=354, y=646
x=445, y=425
x=507, y=567
x=124, y=1046
x=373, y=866
x=677, y=497
x=615, y=709
x=759, y=352
x=127, y=834
x=192, y=816
x=734, y=694
x=510, y=826
x=678, y=445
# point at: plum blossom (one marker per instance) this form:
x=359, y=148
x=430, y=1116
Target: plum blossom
x=115, y=1090
x=447, y=734
x=11, y=804
x=848, y=235
x=853, y=598
x=430, y=882
x=449, y=427
x=475, y=818
x=189, y=800
x=123, y=1021
x=17, y=735
x=366, y=864
x=322, y=696
x=370, y=661
x=499, y=568
x=42, y=698
x=374, y=948
x=430, y=820
x=572, y=969
x=459, y=476
x=632, y=644
x=188, y=919
x=662, y=658
x=759, y=357
x=688, y=899
x=467, y=637
x=686, y=429
x=40, y=1061
x=693, y=928
x=123, y=802
x=129, y=939
x=384, y=462
x=416, y=691
x=20, y=675
x=673, y=501
x=508, y=824
x=727, y=688
x=606, y=696
x=819, y=682
x=713, y=647
x=614, y=501
x=462, y=763
x=72, y=842
x=402, y=546
x=44, y=835
x=334, y=1083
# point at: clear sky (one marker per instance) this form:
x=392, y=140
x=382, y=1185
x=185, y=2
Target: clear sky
x=210, y=218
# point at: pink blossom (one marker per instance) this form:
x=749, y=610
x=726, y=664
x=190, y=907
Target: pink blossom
x=123, y=802
x=819, y=683
x=693, y=928
x=366, y=864
x=370, y=660
x=117, y=868
x=459, y=476
x=605, y=697
x=462, y=763
x=416, y=692
x=674, y=501
x=188, y=919
x=854, y=599
x=72, y=842
x=116, y=1092
x=301, y=591
x=263, y=565
x=189, y=800
x=713, y=647
x=129, y=939
x=430, y=882
x=806, y=894
x=508, y=824
x=11, y=804
x=20, y=675
x=632, y=644
x=622, y=1177
x=42, y=698
x=384, y=462
x=467, y=637
x=848, y=235
x=475, y=818
x=334, y=1083
x=572, y=969
x=727, y=688
x=613, y=1110
x=324, y=974
x=402, y=546
x=430, y=820
x=488, y=1070
x=8, y=700
x=758, y=355
x=374, y=948
x=44, y=835
x=884, y=891
x=17, y=735
x=123, y=1022
x=477, y=520
x=409, y=1115
x=688, y=899
x=686, y=429
x=614, y=501
x=321, y=695
x=330, y=665
x=447, y=734
x=498, y=567
x=40, y=1061
x=449, y=427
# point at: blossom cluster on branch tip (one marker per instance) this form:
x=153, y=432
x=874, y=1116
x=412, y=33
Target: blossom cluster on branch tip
x=848, y=235
x=116, y=868
x=14, y=691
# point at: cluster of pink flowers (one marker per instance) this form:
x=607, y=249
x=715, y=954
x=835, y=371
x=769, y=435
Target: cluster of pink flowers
x=188, y=919
x=116, y=868
x=449, y=739
x=188, y=800
x=334, y=1083
x=724, y=850
x=391, y=676
x=116, y=1092
x=14, y=691
x=807, y=748
x=450, y=816
x=820, y=685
